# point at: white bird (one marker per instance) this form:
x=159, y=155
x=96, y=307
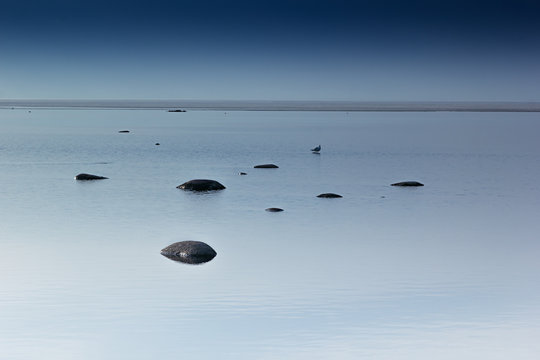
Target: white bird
x=316, y=149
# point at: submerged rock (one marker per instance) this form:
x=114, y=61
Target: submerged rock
x=89, y=177
x=190, y=252
x=329, y=195
x=266, y=166
x=201, y=185
x=408, y=183
x=274, y=209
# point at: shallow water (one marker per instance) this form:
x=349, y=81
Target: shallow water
x=445, y=271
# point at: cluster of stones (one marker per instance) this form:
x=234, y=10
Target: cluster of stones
x=197, y=252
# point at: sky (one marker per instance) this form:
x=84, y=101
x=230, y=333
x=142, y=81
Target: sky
x=387, y=50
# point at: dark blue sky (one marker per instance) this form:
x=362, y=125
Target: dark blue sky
x=348, y=50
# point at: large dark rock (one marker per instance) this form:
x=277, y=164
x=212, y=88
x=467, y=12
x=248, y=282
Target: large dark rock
x=89, y=177
x=201, y=185
x=329, y=195
x=191, y=252
x=266, y=166
x=273, y=209
x=408, y=183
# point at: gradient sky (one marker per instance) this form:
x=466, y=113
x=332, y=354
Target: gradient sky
x=394, y=50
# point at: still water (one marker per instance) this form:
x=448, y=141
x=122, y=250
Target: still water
x=445, y=271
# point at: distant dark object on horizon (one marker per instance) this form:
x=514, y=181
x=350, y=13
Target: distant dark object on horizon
x=189, y=252
x=274, y=209
x=177, y=110
x=123, y=131
x=266, y=166
x=201, y=185
x=329, y=195
x=89, y=177
x=408, y=183
x=316, y=149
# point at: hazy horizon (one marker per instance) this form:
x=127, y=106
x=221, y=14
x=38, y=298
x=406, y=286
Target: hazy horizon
x=271, y=105
x=274, y=50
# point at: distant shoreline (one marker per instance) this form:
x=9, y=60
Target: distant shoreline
x=238, y=105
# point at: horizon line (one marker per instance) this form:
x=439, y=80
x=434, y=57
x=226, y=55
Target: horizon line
x=273, y=105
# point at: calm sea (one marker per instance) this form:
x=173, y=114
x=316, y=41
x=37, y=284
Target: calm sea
x=445, y=271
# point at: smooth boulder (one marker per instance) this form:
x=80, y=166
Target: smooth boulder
x=329, y=195
x=266, y=166
x=273, y=209
x=408, y=183
x=89, y=177
x=201, y=185
x=190, y=252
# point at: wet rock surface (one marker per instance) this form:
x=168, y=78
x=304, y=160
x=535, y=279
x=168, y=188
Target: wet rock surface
x=266, y=166
x=201, y=185
x=273, y=209
x=408, y=183
x=329, y=195
x=190, y=252
x=89, y=177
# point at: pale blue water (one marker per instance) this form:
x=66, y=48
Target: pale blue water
x=446, y=271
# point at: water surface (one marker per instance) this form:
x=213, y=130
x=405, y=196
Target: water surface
x=445, y=271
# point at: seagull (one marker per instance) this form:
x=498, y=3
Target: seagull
x=316, y=149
